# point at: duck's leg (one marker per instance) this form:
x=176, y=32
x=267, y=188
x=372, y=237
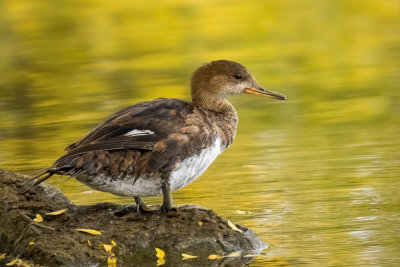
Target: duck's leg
x=141, y=206
x=168, y=202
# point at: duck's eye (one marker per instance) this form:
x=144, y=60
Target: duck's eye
x=238, y=76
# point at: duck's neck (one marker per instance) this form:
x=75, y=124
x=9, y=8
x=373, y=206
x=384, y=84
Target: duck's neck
x=213, y=103
x=223, y=115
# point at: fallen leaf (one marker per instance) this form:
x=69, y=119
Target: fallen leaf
x=89, y=231
x=160, y=262
x=90, y=243
x=187, y=256
x=3, y=256
x=38, y=218
x=112, y=262
x=57, y=212
x=18, y=262
x=200, y=224
x=107, y=248
x=250, y=255
x=160, y=253
x=31, y=243
x=231, y=225
x=234, y=254
x=214, y=257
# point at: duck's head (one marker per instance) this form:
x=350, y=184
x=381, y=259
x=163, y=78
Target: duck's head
x=213, y=82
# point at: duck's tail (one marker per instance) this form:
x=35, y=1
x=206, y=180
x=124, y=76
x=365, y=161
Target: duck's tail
x=38, y=179
x=41, y=177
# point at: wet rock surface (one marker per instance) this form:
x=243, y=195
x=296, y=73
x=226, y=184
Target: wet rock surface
x=56, y=242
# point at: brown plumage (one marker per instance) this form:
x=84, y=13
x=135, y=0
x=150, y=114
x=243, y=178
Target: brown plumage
x=154, y=147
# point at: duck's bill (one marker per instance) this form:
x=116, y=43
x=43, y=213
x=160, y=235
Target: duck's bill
x=264, y=92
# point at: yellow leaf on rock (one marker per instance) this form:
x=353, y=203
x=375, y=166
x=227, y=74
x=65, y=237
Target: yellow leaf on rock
x=160, y=262
x=38, y=218
x=58, y=212
x=160, y=253
x=3, y=256
x=17, y=262
x=108, y=248
x=89, y=231
x=90, y=243
x=234, y=254
x=112, y=262
x=200, y=224
x=187, y=256
x=214, y=257
x=250, y=255
x=231, y=225
x=31, y=243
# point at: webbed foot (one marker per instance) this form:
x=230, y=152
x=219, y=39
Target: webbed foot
x=141, y=207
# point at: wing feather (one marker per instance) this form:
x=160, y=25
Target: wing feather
x=159, y=117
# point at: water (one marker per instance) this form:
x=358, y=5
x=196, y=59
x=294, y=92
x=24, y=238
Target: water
x=317, y=177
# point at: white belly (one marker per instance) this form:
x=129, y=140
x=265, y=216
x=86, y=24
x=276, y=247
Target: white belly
x=184, y=173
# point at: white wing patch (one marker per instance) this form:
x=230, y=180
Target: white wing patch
x=139, y=132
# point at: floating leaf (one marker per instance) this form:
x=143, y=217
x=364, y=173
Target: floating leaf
x=38, y=218
x=90, y=243
x=250, y=255
x=231, y=225
x=214, y=257
x=3, y=256
x=242, y=212
x=112, y=262
x=234, y=254
x=187, y=256
x=89, y=231
x=31, y=243
x=160, y=262
x=200, y=224
x=160, y=253
x=57, y=212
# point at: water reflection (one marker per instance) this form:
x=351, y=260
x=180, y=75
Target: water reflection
x=317, y=176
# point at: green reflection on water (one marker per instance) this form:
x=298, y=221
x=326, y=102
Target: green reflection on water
x=318, y=175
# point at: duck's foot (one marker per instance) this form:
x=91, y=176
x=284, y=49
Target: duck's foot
x=125, y=210
x=141, y=207
x=164, y=209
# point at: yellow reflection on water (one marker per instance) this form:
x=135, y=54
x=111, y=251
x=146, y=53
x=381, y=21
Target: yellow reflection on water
x=316, y=177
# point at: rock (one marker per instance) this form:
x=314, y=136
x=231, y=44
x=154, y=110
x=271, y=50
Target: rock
x=56, y=242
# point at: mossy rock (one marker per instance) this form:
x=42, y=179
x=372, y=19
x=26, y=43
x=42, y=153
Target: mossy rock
x=56, y=242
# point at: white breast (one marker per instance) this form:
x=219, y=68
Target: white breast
x=191, y=168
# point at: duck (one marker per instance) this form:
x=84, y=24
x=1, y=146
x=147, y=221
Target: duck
x=155, y=147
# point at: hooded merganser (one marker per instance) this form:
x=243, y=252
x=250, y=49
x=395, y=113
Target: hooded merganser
x=153, y=147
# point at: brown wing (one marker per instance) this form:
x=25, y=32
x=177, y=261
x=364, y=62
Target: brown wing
x=158, y=118
x=162, y=116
